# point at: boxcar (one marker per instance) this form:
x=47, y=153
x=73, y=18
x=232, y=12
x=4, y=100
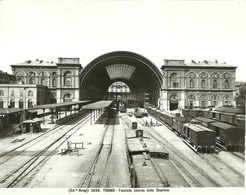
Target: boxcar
x=205, y=121
x=232, y=137
x=199, y=136
x=240, y=121
x=227, y=118
x=178, y=123
x=195, y=113
x=214, y=115
x=185, y=112
x=205, y=113
x=169, y=119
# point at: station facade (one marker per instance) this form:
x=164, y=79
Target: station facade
x=61, y=79
x=199, y=84
x=175, y=85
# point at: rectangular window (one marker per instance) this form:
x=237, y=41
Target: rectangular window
x=12, y=93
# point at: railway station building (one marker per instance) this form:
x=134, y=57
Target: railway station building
x=61, y=79
x=130, y=76
x=200, y=84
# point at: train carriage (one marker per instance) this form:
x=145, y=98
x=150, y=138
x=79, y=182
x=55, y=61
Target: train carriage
x=150, y=165
x=185, y=112
x=200, y=137
x=214, y=115
x=205, y=121
x=178, y=123
x=205, y=113
x=240, y=121
x=168, y=119
x=230, y=136
x=227, y=117
x=195, y=113
x=144, y=174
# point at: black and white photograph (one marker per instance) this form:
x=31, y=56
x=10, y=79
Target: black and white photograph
x=127, y=96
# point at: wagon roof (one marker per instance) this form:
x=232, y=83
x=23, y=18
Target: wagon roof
x=222, y=125
x=196, y=128
x=180, y=118
x=227, y=113
x=208, y=120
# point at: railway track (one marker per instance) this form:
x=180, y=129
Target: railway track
x=176, y=158
x=96, y=176
x=13, y=152
x=239, y=155
x=21, y=172
x=230, y=170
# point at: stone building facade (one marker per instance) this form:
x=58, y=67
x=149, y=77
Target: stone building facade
x=61, y=79
x=194, y=84
x=22, y=96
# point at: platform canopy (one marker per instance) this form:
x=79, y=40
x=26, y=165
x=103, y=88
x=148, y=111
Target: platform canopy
x=59, y=105
x=98, y=105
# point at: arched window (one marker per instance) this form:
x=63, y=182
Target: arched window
x=1, y=93
x=12, y=103
x=42, y=78
x=31, y=76
x=20, y=77
x=190, y=100
x=174, y=80
x=203, y=101
x=21, y=104
x=192, y=83
x=42, y=81
x=215, y=84
x=119, y=86
x=1, y=103
x=53, y=82
x=227, y=84
x=68, y=79
x=29, y=103
x=31, y=81
x=203, y=83
x=53, y=79
x=30, y=93
x=215, y=100
x=227, y=100
x=67, y=97
x=174, y=102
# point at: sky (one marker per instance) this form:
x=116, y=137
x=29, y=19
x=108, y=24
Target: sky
x=158, y=30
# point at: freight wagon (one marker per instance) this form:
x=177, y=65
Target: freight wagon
x=204, y=121
x=178, y=123
x=214, y=115
x=200, y=137
x=230, y=136
x=227, y=118
x=150, y=165
x=240, y=121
